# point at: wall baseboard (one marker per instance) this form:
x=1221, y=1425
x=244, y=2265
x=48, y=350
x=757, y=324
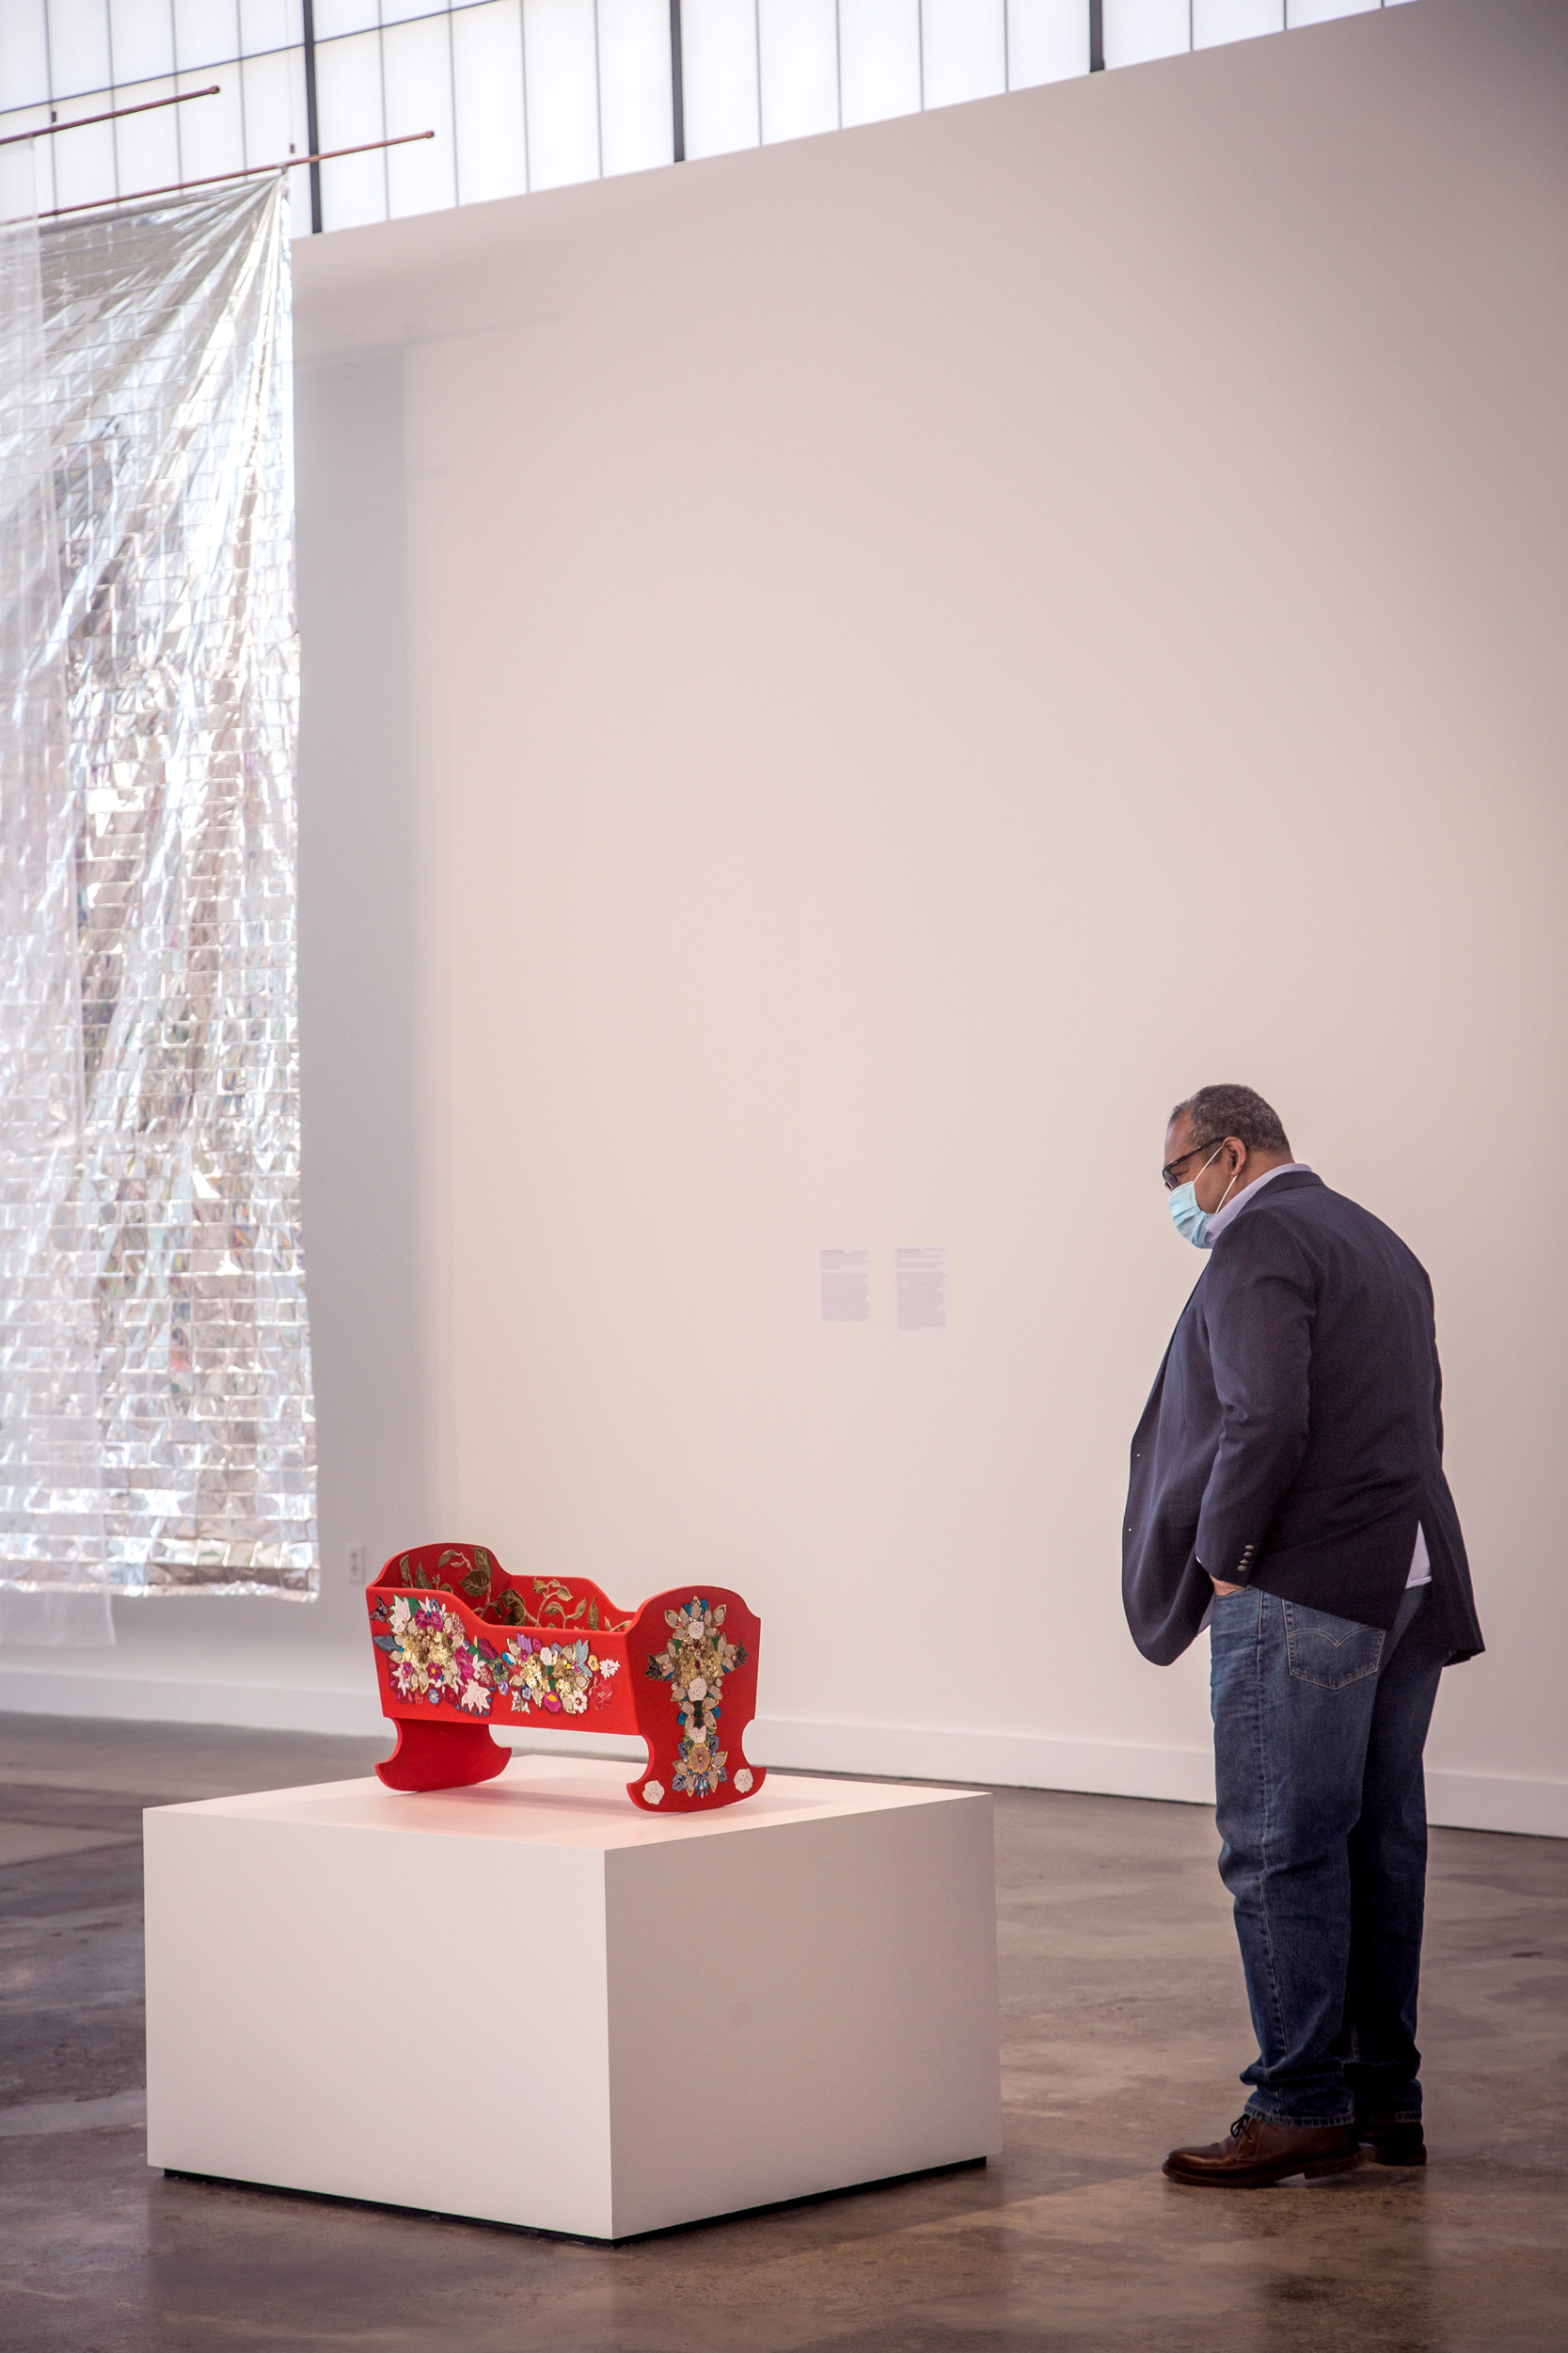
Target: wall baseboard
x=1455, y=1800
x=1494, y=1801
x=1020, y=1761
x=48, y=1690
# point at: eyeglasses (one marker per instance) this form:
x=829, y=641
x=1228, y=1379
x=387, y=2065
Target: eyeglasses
x=1168, y=1177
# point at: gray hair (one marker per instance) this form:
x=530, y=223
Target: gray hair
x=1216, y=1112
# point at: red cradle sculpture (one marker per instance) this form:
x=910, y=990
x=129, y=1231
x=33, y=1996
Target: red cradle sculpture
x=460, y=1646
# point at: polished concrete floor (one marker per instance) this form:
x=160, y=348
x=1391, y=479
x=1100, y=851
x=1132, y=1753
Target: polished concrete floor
x=1124, y=2029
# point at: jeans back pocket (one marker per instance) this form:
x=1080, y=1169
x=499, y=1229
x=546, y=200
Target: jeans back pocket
x=1330, y=1651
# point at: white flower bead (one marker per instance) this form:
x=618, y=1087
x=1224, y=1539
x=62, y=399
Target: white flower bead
x=743, y=1779
x=653, y=1792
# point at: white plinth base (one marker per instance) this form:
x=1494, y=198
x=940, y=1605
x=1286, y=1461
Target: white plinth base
x=531, y=2003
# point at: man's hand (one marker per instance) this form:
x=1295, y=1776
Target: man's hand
x=1220, y=1586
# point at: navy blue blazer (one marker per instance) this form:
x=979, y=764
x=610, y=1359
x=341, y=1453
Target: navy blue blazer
x=1294, y=1438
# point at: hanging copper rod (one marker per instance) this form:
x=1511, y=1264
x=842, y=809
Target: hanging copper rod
x=115, y=114
x=178, y=187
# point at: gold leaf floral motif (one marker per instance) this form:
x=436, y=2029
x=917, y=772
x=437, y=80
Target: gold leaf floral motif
x=492, y=1593
x=694, y=1663
x=430, y=1655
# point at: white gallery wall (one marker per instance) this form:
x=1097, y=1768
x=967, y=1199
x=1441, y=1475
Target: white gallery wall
x=840, y=681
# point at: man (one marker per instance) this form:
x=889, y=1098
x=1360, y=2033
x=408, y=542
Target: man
x=1287, y=1491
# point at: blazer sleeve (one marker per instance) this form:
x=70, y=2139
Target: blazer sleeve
x=1260, y=1302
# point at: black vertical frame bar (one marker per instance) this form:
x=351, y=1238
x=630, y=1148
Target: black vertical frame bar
x=1097, y=35
x=312, y=130
x=677, y=82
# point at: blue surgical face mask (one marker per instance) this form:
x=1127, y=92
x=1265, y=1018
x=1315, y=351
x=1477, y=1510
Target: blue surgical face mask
x=1190, y=1222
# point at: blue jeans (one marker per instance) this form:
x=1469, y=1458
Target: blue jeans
x=1318, y=1727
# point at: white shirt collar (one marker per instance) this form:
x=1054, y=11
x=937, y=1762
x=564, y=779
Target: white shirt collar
x=1232, y=1210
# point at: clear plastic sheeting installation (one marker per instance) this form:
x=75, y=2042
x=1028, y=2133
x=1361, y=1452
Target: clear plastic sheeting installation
x=158, y=1429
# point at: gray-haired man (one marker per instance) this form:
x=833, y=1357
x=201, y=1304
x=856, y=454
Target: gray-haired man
x=1288, y=1490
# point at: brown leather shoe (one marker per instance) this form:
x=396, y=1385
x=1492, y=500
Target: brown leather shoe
x=1258, y=2151
x=1394, y=2144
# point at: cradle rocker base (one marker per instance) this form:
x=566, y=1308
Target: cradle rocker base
x=442, y=1757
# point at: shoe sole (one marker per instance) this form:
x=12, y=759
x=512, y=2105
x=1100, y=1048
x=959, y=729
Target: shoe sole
x=1264, y=2177
x=1386, y=2156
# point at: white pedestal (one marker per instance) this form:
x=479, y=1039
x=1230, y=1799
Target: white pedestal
x=533, y=2003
